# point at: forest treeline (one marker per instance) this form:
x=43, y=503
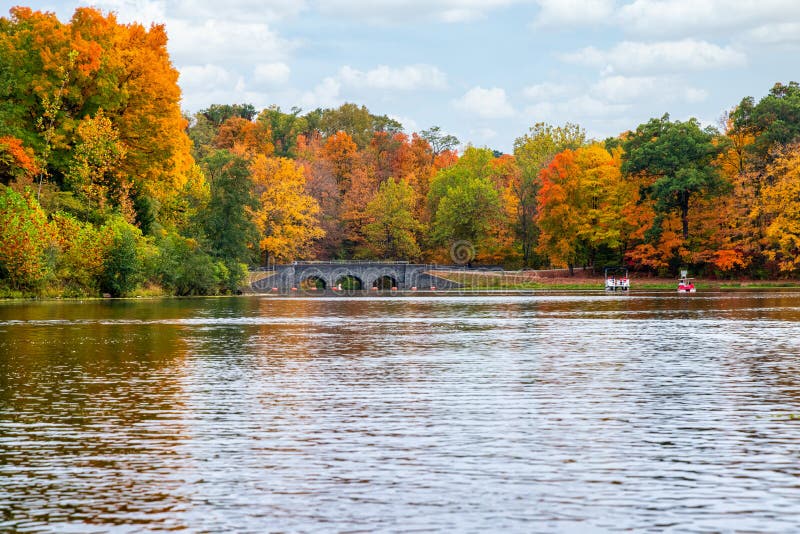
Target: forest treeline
x=107, y=187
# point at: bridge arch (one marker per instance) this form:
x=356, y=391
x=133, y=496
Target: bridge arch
x=384, y=278
x=348, y=282
x=385, y=281
x=325, y=275
x=312, y=279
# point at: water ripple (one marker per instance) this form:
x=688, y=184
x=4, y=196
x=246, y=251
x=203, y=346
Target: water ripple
x=525, y=413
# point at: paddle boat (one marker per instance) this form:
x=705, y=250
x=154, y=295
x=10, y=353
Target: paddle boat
x=617, y=279
x=685, y=284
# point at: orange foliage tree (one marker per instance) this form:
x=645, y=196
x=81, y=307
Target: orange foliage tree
x=581, y=205
x=17, y=163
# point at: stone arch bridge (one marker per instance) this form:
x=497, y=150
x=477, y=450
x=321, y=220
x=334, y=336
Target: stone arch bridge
x=351, y=275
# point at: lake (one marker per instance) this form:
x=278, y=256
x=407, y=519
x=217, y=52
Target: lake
x=566, y=412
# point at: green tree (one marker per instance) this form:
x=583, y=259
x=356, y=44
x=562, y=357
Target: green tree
x=774, y=121
x=285, y=128
x=122, y=268
x=679, y=158
x=356, y=121
x=25, y=240
x=392, y=232
x=202, y=132
x=185, y=269
x=227, y=221
x=217, y=114
x=82, y=248
x=464, y=202
x=439, y=141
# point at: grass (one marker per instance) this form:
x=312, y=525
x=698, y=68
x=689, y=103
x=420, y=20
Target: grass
x=760, y=284
x=511, y=281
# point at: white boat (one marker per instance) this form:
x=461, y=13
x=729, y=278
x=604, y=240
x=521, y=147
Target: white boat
x=617, y=279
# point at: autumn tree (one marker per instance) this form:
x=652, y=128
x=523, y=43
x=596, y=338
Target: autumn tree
x=391, y=234
x=342, y=153
x=17, y=163
x=533, y=152
x=581, y=206
x=244, y=137
x=364, y=185
x=94, y=174
x=321, y=185
x=65, y=72
x=286, y=216
x=679, y=157
x=782, y=208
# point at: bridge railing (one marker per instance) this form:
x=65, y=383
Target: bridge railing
x=429, y=266
x=350, y=262
x=272, y=266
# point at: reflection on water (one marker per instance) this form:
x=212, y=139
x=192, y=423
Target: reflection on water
x=539, y=412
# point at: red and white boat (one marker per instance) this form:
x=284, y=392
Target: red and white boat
x=685, y=284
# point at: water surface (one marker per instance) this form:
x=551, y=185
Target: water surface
x=539, y=412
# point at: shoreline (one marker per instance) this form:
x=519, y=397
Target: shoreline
x=584, y=285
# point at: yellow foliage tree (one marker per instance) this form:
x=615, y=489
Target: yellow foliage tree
x=781, y=205
x=286, y=215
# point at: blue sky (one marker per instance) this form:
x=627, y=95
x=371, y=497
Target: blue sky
x=483, y=70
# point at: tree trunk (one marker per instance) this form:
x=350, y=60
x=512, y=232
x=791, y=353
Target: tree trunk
x=684, y=202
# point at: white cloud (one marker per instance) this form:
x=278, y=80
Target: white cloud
x=486, y=103
x=409, y=124
x=626, y=89
x=558, y=13
x=271, y=73
x=239, y=10
x=200, y=32
x=671, y=19
x=224, y=41
x=694, y=95
x=484, y=134
x=398, y=11
x=678, y=18
x=323, y=95
x=786, y=33
x=548, y=90
x=406, y=78
x=578, y=109
x=205, y=77
x=148, y=11
x=666, y=56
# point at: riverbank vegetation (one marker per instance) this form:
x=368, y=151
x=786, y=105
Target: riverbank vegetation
x=107, y=187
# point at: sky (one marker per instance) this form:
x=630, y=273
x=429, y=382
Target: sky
x=482, y=70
